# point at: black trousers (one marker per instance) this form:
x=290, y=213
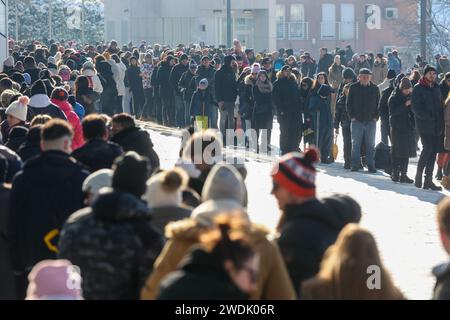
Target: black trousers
x=428, y=156
x=400, y=165
x=148, y=105
x=290, y=128
x=168, y=111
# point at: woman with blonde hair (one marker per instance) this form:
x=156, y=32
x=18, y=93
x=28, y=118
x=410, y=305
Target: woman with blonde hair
x=347, y=269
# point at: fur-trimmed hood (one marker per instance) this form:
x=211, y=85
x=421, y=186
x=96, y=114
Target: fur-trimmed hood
x=249, y=81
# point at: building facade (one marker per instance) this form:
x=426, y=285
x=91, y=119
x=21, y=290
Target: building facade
x=3, y=29
x=191, y=21
x=373, y=26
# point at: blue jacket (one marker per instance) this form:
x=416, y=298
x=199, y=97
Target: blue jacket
x=202, y=103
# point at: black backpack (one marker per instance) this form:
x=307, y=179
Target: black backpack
x=383, y=158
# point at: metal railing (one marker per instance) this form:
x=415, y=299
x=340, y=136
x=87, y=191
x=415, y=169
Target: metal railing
x=298, y=30
x=337, y=30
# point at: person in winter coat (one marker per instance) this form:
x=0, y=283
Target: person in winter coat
x=32, y=145
x=363, y=120
x=394, y=63
x=221, y=267
x=341, y=117
x=362, y=63
x=320, y=107
x=113, y=241
x=427, y=106
x=185, y=89
x=402, y=131
x=109, y=95
x=325, y=61
x=442, y=272
x=17, y=136
x=444, y=63
x=175, y=76
x=335, y=73
x=286, y=99
x=60, y=98
x=134, y=77
x=131, y=138
x=383, y=109
x=90, y=72
x=119, y=78
x=16, y=116
x=97, y=153
x=164, y=195
x=263, y=111
x=147, y=70
x=29, y=63
x=43, y=195
x=8, y=288
x=85, y=95
x=207, y=71
x=226, y=91
x=308, y=66
x=304, y=95
x=14, y=162
x=248, y=98
x=223, y=194
x=201, y=106
x=244, y=110
x=41, y=104
x=446, y=170
x=343, y=271
x=308, y=226
x=379, y=69
x=166, y=91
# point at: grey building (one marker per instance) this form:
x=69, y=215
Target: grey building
x=3, y=29
x=191, y=21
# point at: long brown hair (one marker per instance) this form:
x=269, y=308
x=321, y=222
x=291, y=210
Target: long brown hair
x=344, y=271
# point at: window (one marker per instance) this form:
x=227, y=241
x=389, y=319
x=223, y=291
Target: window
x=297, y=24
x=347, y=25
x=3, y=18
x=328, y=26
x=281, y=28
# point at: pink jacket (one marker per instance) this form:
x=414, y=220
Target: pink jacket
x=66, y=107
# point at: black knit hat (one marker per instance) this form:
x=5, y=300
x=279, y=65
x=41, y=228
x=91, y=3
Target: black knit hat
x=130, y=174
x=391, y=74
x=38, y=88
x=348, y=73
x=184, y=56
x=60, y=94
x=427, y=69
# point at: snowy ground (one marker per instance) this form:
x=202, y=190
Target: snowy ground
x=401, y=217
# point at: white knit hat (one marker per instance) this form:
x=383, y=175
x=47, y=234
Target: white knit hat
x=19, y=109
x=166, y=188
x=256, y=68
x=98, y=180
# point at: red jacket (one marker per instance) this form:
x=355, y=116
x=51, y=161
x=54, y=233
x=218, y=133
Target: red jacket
x=66, y=107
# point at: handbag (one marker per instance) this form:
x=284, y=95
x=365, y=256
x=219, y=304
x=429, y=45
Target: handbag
x=335, y=148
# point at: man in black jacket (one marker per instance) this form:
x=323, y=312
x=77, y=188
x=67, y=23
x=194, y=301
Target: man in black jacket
x=427, y=106
x=131, y=138
x=362, y=108
x=43, y=195
x=166, y=91
x=286, y=99
x=226, y=89
x=186, y=90
x=97, y=153
x=206, y=71
x=325, y=61
x=341, y=116
x=175, y=76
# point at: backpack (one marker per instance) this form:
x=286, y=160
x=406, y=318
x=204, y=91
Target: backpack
x=383, y=157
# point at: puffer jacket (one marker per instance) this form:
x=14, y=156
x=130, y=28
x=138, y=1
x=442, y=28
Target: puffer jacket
x=66, y=107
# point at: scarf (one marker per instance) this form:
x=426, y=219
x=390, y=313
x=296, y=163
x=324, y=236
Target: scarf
x=425, y=82
x=264, y=87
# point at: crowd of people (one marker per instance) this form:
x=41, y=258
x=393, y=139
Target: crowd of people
x=85, y=201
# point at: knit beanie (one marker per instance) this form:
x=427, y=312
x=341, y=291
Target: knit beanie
x=391, y=74
x=49, y=278
x=427, y=69
x=296, y=173
x=38, y=88
x=60, y=94
x=98, y=180
x=18, y=109
x=348, y=73
x=166, y=188
x=131, y=172
x=6, y=97
x=193, y=65
x=405, y=84
x=203, y=83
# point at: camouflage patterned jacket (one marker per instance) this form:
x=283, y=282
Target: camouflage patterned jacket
x=114, y=245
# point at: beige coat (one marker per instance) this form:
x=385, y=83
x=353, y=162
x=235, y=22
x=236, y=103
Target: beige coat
x=273, y=279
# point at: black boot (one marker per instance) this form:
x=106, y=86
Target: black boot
x=405, y=179
x=395, y=176
x=429, y=185
x=418, y=180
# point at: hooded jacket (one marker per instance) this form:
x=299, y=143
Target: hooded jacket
x=226, y=85
x=98, y=154
x=66, y=107
x=41, y=104
x=114, y=244
x=308, y=229
x=43, y=195
x=96, y=83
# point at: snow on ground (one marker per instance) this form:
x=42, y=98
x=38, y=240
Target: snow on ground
x=401, y=217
